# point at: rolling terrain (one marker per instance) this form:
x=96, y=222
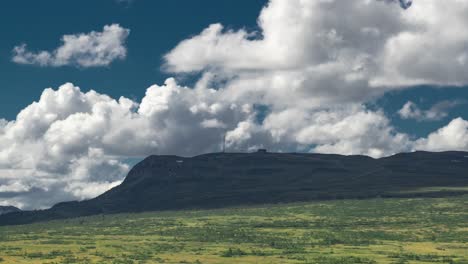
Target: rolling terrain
x=369, y=231
x=218, y=180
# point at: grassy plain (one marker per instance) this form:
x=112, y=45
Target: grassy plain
x=418, y=230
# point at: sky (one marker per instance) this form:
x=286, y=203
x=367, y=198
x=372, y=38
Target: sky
x=88, y=88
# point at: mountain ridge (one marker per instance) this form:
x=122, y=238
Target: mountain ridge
x=214, y=180
x=8, y=209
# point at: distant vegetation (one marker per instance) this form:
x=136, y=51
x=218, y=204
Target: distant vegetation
x=392, y=231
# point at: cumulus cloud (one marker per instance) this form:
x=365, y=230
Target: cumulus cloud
x=93, y=49
x=307, y=59
x=308, y=65
x=454, y=136
x=438, y=111
x=310, y=42
x=411, y=111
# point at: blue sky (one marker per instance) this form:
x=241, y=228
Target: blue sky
x=134, y=78
x=425, y=96
x=156, y=27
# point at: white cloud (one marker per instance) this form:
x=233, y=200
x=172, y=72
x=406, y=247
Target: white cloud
x=308, y=62
x=411, y=111
x=454, y=136
x=345, y=130
x=438, y=111
x=311, y=42
x=212, y=123
x=93, y=49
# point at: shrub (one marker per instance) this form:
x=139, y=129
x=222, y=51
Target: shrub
x=233, y=253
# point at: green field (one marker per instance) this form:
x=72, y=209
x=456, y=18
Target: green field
x=426, y=230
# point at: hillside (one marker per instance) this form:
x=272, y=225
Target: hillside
x=239, y=179
x=8, y=209
x=370, y=231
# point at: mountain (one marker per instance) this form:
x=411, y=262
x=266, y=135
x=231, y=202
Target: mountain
x=241, y=179
x=8, y=209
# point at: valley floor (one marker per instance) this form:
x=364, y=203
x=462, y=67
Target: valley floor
x=424, y=230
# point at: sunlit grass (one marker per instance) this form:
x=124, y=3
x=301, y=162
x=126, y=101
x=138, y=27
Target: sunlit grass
x=347, y=231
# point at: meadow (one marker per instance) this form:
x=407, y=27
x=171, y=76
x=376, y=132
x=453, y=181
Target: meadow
x=416, y=230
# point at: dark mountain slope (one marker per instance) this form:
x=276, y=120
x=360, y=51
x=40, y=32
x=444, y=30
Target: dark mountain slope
x=236, y=179
x=8, y=209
